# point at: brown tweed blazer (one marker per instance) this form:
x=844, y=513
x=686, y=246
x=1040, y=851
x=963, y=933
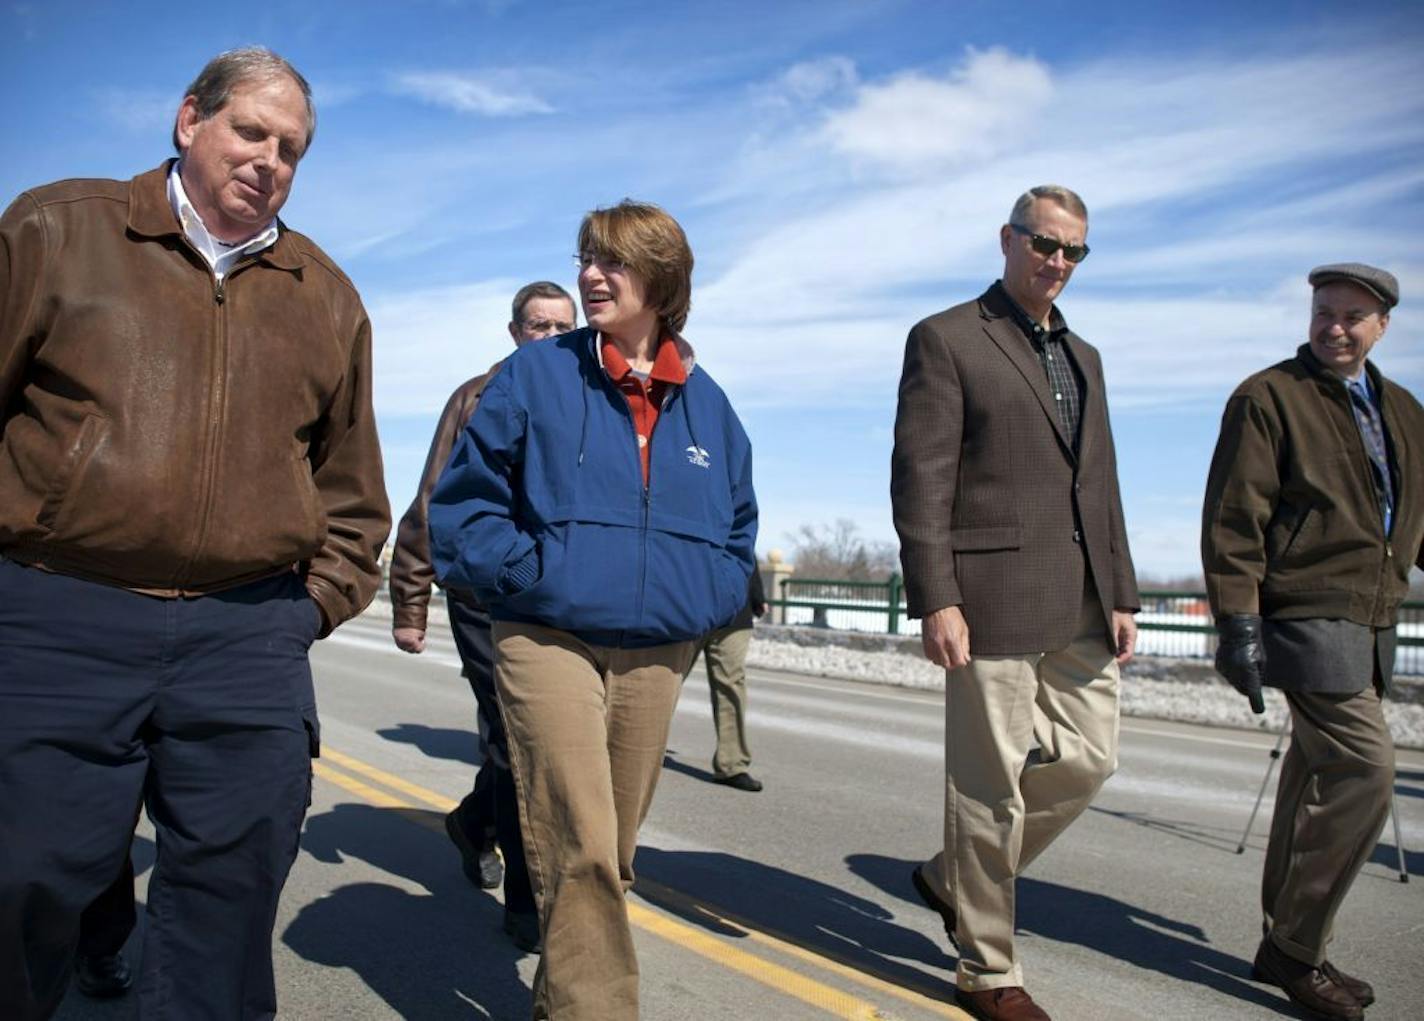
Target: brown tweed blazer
x=994, y=509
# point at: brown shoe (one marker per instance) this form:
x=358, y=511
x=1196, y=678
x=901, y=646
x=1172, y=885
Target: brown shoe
x=1008, y=1003
x=1356, y=987
x=936, y=904
x=1306, y=985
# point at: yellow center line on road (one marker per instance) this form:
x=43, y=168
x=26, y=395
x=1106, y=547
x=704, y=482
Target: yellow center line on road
x=784, y=980
x=923, y=999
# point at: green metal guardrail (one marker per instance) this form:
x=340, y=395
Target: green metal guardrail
x=875, y=601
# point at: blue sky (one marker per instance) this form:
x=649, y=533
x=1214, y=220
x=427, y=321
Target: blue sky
x=841, y=170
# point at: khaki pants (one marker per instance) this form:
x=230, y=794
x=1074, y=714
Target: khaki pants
x=587, y=727
x=1331, y=805
x=726, y=655
x=1004, y=803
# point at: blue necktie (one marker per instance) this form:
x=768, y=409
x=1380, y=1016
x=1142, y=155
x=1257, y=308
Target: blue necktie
x=1367, y=417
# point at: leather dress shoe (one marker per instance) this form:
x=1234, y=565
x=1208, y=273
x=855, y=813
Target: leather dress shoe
x=1007, y=1003
x=522, y=928
x=1306, y=985
x=935, y=903
x=1356, y=987
x=102, y=976
x=480, y=864
x=741, y=781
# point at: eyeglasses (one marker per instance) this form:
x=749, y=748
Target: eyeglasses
x=1046, y=246
x=582, y=260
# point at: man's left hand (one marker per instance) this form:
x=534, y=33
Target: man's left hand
x=1124, y=630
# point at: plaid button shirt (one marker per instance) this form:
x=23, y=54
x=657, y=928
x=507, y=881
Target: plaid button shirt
x=1063, y=377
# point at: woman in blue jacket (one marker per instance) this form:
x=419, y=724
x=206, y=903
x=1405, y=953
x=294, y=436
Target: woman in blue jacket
x=600, y=503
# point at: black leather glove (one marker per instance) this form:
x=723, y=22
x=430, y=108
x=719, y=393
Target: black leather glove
x=1240, y=656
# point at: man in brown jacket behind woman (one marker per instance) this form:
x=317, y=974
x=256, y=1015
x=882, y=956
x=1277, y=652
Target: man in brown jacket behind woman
x=1313, y=515
x=489, y=813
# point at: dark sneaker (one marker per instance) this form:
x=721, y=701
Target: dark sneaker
x=741, y=781
x=1306, y=985
x=936, y=904
x=1008, y=1003
x=481, y=865
x=102, y=976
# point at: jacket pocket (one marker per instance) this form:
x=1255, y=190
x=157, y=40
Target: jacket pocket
x=692, y=587
x=588, y=579
x=994, y=537
x=70, y=472
x=313, y=515
x=1283, y=535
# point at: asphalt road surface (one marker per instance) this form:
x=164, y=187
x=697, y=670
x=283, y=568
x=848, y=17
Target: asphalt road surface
x=796, y=903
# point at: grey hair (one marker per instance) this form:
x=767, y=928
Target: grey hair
x=214, y=86
x=538, y=289
x=1065, y=197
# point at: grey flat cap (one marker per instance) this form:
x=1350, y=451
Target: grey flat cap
x=1379, y=282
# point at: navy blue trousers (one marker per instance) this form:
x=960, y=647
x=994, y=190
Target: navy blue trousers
x=492, y=801
x=200, y=709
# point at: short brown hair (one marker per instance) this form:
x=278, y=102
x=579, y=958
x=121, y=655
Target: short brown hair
x=649, y=242
x=538, y=289
x=1065, y=197
x=229, y=71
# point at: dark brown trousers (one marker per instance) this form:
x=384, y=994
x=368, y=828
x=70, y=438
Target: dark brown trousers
x=1331, y=805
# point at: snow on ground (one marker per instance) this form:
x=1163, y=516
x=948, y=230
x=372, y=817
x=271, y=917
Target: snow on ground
x=1153, y=686
x=1157, y=687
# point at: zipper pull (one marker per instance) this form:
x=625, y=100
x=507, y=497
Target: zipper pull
x=218, y=293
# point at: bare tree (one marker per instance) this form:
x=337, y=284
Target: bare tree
x=839, y=552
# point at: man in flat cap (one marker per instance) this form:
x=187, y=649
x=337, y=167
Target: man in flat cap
x=1314, y=513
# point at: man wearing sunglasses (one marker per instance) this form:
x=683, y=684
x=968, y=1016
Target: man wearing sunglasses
x=1005, y=495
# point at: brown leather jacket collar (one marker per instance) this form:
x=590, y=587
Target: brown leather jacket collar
x=151, y=216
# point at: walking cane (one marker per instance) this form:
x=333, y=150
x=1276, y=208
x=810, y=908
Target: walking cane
x=1261, y=794
x=1398, y=840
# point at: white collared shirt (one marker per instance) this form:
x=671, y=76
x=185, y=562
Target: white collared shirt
x=219, y=254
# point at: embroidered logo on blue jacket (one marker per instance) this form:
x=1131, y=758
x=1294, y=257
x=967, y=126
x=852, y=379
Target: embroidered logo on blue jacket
x=696, y=455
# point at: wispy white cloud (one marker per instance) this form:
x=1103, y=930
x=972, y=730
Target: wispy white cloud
x=809, y=81
x=1183, y=304
x=917, y=122
x=468, y=93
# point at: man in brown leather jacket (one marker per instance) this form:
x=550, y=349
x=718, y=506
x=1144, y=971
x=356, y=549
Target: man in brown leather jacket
x=190, y=493
x=1312, y=519
x=489, y=812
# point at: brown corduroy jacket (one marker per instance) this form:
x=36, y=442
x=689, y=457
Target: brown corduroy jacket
x=1291, y=523
x=411, y=572
x=175, y=436
x=996, y=512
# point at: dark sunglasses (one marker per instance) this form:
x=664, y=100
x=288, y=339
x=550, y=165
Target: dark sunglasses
x=1047, y=246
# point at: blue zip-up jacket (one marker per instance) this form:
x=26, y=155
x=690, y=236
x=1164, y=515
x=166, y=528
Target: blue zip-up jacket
x=543, y=514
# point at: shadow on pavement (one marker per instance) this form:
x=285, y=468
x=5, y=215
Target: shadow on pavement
x=1109, y=926
x=717, y=891
x=705, y=775
x=1216, y=837
x=1387, y=854
x=438, y=742
x=438, y=952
